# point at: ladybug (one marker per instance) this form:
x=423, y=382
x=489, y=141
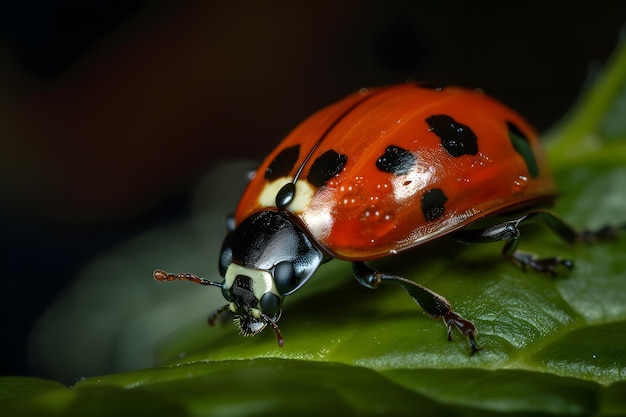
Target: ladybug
x=379, y=172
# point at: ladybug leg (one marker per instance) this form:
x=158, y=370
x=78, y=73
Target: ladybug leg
x=509, y=232
x=434, y=304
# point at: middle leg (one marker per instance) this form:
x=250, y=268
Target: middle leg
x=434, y=304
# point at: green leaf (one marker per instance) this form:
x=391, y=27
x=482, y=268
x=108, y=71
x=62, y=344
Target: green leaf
x=279, y=386
x=596, y=120
x=19, y=387
x=552, y=346
x=93, y=401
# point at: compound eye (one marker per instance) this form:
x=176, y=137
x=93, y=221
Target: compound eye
x=270, y=303
x=226, y=258
x=285, y=277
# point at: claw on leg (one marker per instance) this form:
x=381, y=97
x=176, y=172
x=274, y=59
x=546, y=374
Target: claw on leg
x=466, y=327
x=549, y=266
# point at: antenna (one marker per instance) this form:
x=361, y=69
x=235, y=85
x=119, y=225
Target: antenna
x=161, y=275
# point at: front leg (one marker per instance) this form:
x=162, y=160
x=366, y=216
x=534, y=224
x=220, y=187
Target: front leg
x=431, y=302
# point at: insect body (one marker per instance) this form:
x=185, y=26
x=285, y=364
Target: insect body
x=378, y=172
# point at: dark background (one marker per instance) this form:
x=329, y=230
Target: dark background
x=111, y=111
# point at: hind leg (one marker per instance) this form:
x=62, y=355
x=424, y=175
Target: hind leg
x=510, y=234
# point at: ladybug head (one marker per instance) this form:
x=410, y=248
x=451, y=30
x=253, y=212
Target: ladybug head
x=268, y=256
x=253, y=298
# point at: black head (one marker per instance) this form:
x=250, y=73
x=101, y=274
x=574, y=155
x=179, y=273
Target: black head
x=268, y=256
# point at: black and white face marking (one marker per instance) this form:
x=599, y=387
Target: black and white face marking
x=253, y=298
x=267, y=257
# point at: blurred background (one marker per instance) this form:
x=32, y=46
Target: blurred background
x=113, y=114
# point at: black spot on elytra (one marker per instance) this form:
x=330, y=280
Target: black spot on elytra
x=433, y=203
x=283, y=163
x=521, y=144
x=456, y=138
x=396, y=161
x=325, y=167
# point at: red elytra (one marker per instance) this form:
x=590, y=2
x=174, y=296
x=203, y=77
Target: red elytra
x=364, y=212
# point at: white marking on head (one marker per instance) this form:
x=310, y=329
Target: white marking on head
x=262, y=281
x=302, y=197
